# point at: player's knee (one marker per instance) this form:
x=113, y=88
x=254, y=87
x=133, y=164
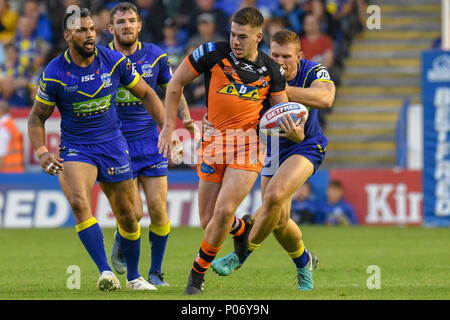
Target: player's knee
x=224, y=211
x=156, y=208
x=126, y=213
x=79, y=204
x=204, y=221
x=274, y=198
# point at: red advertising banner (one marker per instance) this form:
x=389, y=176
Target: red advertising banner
x=386, y=197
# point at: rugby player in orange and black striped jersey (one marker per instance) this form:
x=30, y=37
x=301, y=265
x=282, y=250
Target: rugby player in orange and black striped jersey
x=238, y=78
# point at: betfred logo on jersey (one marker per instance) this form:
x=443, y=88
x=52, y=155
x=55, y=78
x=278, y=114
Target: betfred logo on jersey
x=241, y=90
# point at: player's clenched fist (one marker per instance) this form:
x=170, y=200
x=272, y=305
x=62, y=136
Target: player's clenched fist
x=51, y=163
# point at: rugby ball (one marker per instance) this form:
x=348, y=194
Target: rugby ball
x=271, y=118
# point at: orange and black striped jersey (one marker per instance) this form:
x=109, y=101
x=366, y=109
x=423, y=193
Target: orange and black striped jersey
x=236, y=88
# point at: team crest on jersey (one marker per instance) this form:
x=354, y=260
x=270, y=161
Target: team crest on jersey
x=146, y=70
x=106, y=79
x=229, y=70
x=241, y=90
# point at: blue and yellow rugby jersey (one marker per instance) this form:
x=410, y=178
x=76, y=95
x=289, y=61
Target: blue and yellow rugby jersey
x=85, y=95
x=152, y=63
x=308, y=72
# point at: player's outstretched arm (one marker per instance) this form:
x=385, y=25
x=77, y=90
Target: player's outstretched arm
x=40, y=112
x=150, y=101
x=184, y=114
x=319, y=95
x=182, y=76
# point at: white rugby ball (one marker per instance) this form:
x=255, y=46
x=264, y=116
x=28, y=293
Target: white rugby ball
x=271, y=118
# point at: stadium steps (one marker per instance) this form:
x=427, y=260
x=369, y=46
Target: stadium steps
x=382, y=71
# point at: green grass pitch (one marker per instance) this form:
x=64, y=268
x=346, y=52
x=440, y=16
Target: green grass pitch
x=414, y=263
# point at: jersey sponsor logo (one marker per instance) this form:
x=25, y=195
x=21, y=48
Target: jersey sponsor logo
x=233, y=57
x=210, y=46
x=119, y=170
x=322, y=73
x=92, y=107
x=241, y=90
x=264, y=83
x=129, y=65
x=72, y=153
x=206, y=169
x=88, y=77
x=160, y=165
x=247, y=67
x=71, y=88
x=198, y=53
x=124, y=96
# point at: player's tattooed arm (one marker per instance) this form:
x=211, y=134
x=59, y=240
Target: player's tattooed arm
x=319, y=95
x=183, y=113
x=40, y=112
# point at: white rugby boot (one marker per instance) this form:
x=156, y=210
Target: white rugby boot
x=108, y=281
x=140, y=284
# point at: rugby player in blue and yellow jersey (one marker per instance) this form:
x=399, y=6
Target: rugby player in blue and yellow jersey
x=287, y=168
x=141, y=132
x=82, y=82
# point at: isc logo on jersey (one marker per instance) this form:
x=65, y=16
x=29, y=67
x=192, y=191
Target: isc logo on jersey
x=241, y=90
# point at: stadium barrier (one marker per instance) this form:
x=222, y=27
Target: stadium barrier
x=35, y=199
x=380, y=197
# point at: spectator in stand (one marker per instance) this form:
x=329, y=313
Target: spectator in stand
x=14, y=79
x=206, y=27
x=271, y=25
x=38, y=13
x=336, y=211
x=11, y=143
x=101, y=20
x=303, y=206
x=8, y=22
x=208, y=6
x=327, y=23
x=32, y=50
x=58, y=9
x=231, y=6
x=316, y=46
x=292, y=14
x=172, y=43
x=153, y=15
